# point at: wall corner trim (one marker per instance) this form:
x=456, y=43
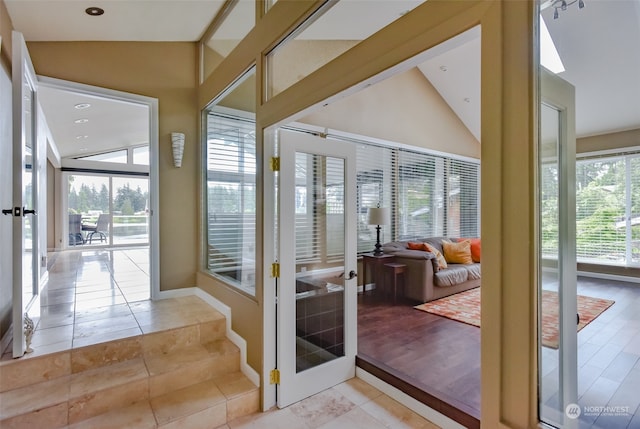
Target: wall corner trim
x=236, y=339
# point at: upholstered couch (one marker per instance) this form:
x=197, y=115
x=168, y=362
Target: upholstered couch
x=424, y=280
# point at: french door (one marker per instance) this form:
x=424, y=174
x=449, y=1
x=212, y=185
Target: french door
x=317, y=286
x=558, y=356
x=25, y=190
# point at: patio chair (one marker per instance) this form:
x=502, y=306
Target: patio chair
x=101, y=229
x=75, y=230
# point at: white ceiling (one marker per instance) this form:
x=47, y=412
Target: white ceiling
x=598, y=45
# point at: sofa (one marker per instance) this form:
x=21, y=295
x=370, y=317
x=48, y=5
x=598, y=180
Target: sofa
x=424, y=280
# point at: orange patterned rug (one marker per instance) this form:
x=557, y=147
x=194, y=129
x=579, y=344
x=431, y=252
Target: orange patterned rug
x=465, y=307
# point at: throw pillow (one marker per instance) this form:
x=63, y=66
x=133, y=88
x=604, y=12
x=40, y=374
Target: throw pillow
x=476, y=248
x=442, y=262
x=457, y=253
x=415, y=246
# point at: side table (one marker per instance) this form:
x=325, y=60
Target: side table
x=374, y=266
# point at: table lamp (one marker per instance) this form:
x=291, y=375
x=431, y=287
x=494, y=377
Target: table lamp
x=379, y=216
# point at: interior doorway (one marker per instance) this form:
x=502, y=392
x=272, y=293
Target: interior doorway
x=107, y=177
x=422, y=206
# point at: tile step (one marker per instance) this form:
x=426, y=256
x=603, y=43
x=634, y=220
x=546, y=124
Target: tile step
x=152, y=370
x=203, y=405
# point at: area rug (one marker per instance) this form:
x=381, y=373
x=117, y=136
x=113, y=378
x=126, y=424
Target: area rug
x=465, y=307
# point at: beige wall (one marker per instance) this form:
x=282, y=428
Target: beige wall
x=5, y=30
x=619, y=140
x=405, y=108
x=165, y=71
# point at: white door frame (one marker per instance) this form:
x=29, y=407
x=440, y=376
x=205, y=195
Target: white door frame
x=560, y=95
x=23, y=74
x=295, y=385
x=154, y=182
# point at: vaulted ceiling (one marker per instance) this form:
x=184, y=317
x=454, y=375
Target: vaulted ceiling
x=598, y=45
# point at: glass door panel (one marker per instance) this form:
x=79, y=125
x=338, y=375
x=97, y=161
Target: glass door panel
x=557, y=297
x=88, y=205
x=317, y=287
x=130, y=210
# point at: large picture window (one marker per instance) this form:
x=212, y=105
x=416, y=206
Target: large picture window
x=608, y=210
x=430, y=195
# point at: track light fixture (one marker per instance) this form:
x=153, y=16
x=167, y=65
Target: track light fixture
x=563, y=5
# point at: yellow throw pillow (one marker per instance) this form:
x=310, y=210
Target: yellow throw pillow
x=442, y=262
x=457, y=253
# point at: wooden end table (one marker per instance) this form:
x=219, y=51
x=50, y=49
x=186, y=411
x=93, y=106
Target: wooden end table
x=375, y=265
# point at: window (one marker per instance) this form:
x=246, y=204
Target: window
x=118, y=156
x=326, y=35
x=231, y=198
x=431, y=195
x=608, y=210
x=235, y=26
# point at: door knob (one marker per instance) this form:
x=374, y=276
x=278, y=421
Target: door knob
x=27, y=211
x=352, y=275
x=7, y=212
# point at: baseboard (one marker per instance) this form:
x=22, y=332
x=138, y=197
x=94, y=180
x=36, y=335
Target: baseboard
x=604, y=276
x=233, y=336
x=236, y=339
x=406, y=400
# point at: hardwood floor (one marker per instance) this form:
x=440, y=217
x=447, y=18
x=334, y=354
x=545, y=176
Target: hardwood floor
x=437, y=360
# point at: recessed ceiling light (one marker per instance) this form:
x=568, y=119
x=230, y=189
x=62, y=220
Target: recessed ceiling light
x=443, y=68
x=81, y=121
x=94, y=11
x=81, y=106
x=81, y=137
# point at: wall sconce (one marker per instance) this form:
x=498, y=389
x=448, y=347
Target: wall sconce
x=177, y=144
x=379, y=216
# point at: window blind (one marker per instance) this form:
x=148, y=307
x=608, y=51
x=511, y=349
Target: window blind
x=430, y=195
x=600, y=210
x=231, y=196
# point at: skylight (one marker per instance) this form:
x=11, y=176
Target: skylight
x=549, y=56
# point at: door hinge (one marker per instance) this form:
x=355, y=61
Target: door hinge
x=275, y=270
x=275, y=163
x=274, y=376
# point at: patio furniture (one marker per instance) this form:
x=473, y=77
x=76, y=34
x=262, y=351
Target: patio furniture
x=75, y=230
x=101, y=228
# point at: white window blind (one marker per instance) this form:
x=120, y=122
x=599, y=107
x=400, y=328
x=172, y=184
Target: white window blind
x=634, y=210
x=607, y=212
x=231, y=198
x=319, y=209
x=430, y=195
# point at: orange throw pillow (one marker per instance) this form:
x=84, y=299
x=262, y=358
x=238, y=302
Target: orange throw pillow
x=416, y=246
x=457, y=253
x=442, y=262
x=476, y=248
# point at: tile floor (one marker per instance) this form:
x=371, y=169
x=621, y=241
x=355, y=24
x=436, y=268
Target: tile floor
x=92, y=296
x=350, y=405
x=102, y=295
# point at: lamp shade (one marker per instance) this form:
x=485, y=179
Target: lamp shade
x=379, y=216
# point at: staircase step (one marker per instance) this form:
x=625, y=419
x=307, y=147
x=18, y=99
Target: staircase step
x=41, y=402
x=98, y=390
x=183, y=376
x=136, y=416
x=190, y=365
x=199, y=402
x=243, y=397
